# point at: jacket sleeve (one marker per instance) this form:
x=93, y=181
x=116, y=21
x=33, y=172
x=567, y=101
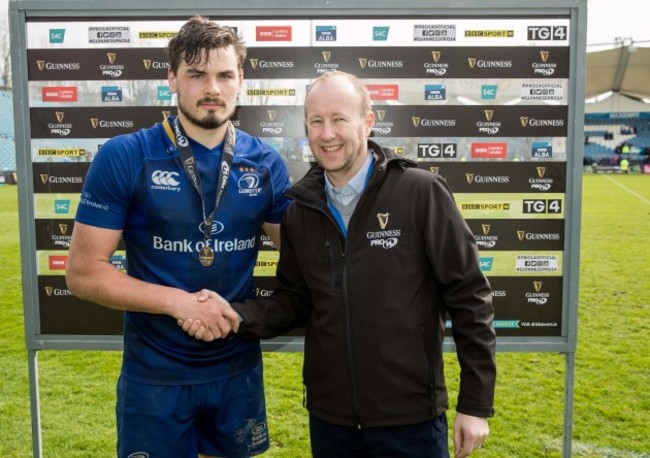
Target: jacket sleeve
x=467, y=297
x=289, y=305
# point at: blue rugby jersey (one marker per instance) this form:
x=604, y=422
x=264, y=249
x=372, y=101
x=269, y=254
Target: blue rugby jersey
x=136, y=183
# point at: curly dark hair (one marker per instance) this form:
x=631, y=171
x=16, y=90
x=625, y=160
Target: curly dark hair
x=197, y=37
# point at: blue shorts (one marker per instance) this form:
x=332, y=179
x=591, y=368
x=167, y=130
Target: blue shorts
x=226, y=418
x=422, y=440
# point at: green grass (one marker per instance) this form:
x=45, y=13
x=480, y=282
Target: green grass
x=612, y=400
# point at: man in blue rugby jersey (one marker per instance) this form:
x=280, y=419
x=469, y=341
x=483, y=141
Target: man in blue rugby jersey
x=189, y=196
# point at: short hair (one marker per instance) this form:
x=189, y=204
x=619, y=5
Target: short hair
x=197, y=37
x=359, y=88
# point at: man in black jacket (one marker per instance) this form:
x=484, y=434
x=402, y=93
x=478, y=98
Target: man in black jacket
x=375, y=255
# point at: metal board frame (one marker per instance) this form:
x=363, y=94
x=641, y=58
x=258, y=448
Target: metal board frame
x=574, y=11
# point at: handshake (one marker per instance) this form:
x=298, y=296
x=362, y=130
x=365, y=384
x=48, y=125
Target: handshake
x=210, y=318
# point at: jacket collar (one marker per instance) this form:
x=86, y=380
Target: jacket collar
x=313, y=183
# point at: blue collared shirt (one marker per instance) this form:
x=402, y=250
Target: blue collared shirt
x=352, y=188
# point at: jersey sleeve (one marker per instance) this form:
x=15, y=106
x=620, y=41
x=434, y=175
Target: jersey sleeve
x=107, y=188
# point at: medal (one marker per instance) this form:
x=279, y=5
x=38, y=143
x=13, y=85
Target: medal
x=206, y=256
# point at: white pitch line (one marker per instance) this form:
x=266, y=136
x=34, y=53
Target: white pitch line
x=625, y=188
x=589, y=450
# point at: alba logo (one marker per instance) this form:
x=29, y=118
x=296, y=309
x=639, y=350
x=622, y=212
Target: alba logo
x=163, y=178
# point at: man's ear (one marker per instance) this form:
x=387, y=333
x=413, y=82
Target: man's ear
x=370, y=121
x=171, y=79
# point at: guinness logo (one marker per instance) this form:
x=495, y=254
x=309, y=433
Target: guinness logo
x=521, y=235
x=436, y=55
x=111, y=57
x=363, y=61
x=489, y=114
x=471, y=61
x=327, y=55
x=415, y=120
x=383, y=219
x=94, y=122
x=272, y=115
x=253, y=63
x=59, y=116
x=63, y=229
x=146, y=63
x=44, y=177
x=381, y=114
x=538, y=286
x=486, y=228
x=49, y=290
x=544, y=55
x=469, y=177
x=523, y=120
x=434, y=169
x=541, y=171
x=41, y=65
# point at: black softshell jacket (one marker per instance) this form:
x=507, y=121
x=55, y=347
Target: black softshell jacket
x=374, y=304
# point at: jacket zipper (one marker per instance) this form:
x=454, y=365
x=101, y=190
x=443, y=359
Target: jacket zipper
x=429, y=370
x=348, y=332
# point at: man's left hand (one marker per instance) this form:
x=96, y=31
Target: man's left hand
x=469, y=434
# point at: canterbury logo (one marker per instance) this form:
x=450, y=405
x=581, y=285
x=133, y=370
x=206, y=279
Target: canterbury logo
x=163, y=178
x=383, y=219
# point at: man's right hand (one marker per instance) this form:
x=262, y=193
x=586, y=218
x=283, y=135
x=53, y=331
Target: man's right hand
x=212, y=318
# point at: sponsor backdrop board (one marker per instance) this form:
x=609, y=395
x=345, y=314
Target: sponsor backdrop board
x=491, y=101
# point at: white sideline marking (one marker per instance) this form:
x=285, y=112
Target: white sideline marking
x=591, y=450
x=625, y=188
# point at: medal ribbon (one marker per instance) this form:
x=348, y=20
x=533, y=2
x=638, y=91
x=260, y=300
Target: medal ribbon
x=191, y=170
